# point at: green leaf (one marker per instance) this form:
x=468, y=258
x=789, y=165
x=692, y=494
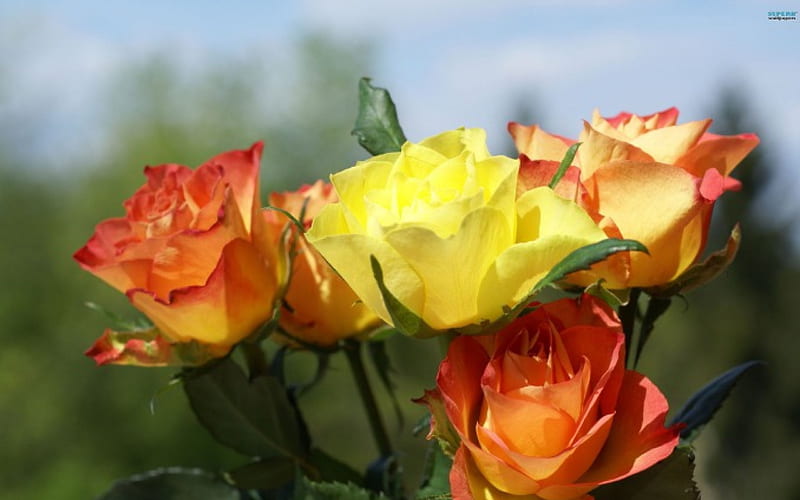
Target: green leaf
x=308, y=490
x=702, y=406
x=702, y=272
x=402, y=317
x=270, y=473
x=383, y=365
x=254, y=417
x=670, y=479
x=174, y=484
x=329, y=468
x=377, y=127
x=436, y=477
x=565, y=163
x=583, y=258
x=614, y=298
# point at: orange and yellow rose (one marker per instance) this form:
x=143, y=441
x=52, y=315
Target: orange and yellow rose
x=319, y=307
x=193, y=254
x=546, y=409
x=643, y=178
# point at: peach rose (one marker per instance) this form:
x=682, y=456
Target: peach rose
x=193, y=254
x=319, y=307
x=546, y=409
x=642, y=178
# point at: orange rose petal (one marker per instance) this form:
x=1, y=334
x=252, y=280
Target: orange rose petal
x=598, y=149
x=587, y=310
x=241, y=172
x=570, y=464
x=499, y=474
x=605, y=350
x=236, y=299
x=651, y=203
x=528, y=426
x=668, y=144
x=538, y=173
x=535, y=143
x=459, y=380
x=467, y=482
x=638, y=439
x=567, y=396
x=719, y=152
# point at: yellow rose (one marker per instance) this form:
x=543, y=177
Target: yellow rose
x=441, y=217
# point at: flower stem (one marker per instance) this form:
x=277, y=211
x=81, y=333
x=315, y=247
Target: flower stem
x=256, y=359
x=352, y=349
x=627, y=315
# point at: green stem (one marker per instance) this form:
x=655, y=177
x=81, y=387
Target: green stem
x=256, y=359
x=353, y=351
x=627, y=315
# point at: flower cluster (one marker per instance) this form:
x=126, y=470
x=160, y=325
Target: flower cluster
x=441, y=238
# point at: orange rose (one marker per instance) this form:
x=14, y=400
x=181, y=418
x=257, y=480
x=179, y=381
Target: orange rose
x=643, y=178
x=319, y=307
x=547, y=410
x=193, y=254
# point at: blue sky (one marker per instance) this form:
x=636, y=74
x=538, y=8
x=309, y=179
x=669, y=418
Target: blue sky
x=449, y=63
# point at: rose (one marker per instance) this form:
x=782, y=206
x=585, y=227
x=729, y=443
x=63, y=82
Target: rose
x=193, y=254
x=546, y=409
x=320, y=307
x=441, y=219
x=642, y=178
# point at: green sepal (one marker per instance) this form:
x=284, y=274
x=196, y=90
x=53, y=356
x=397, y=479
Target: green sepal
x=702, y=272
x=377, y=127
x=254, y=417
x=614, y=298
x=403, y=318
x=436, y=476
x=656, y=307
x=564, y=165
x=175, y=483
x=702, y=406
x=670, y=479
x=438, y=425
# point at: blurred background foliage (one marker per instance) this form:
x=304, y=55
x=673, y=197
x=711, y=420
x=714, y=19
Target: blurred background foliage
x=68, y=429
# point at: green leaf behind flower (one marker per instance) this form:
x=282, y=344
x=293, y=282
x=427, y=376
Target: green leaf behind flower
x=670, y=479
x=702, y=406
x=174, y=483
x=436, y=477
x=254, y=417
x=377, y=127
x=309, y=490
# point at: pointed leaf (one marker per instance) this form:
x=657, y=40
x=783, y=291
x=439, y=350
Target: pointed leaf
x=436, y=478
x=270, y=473
x=174, y=483
x=702, y=272
x=564, y=165
x=702, y=406
x=670, y=479
x=377, y=127
x=329, y=468
x=403, y=318
x=254, y=417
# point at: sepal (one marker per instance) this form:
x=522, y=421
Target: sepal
x=702, y=272
x=440, y=427
x=147, y=347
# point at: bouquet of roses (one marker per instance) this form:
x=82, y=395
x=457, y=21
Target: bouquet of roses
x=442, y=239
